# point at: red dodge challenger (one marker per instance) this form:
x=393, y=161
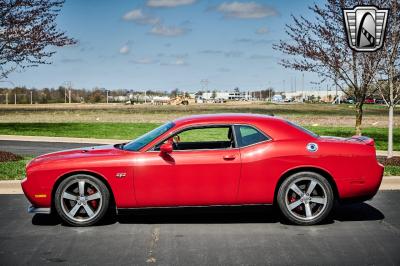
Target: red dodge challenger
x=205, y=160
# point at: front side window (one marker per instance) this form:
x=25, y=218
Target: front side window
x=247, y=135
x=202, y=138
x=142, y=141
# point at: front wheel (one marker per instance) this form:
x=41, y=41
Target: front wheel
x=81, y=200
x=305, y=198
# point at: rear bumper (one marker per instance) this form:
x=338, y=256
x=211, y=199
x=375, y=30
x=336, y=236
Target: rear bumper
x=33, y=209
x=363, y=187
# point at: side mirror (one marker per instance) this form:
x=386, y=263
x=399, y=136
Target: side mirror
x=166, y=148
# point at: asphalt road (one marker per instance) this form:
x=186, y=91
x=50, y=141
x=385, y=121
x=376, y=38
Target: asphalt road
x=359, y=234
x=37, y=148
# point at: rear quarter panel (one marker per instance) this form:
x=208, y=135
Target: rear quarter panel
x=352, y=166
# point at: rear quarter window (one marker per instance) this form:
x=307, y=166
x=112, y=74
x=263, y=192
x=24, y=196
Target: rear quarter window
x=248, y=135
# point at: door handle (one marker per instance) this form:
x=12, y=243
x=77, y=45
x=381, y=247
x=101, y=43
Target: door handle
x=229, y=157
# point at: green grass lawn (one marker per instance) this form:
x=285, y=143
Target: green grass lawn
x=13, y=170
x=133, y=130
x=392, y=170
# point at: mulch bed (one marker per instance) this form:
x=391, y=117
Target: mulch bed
x=394, y=161
x=6, y=156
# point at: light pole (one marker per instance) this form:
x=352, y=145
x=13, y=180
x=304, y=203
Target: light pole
x=68, y=85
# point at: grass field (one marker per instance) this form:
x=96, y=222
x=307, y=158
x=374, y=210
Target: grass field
x=13, y=170
x=304, y=114
x=127, y=131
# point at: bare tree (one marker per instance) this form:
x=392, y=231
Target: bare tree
x=319, y=45
x=27, y=30
x=389, y=83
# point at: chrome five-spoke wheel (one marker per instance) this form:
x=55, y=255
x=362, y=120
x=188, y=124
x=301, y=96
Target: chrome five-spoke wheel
x=305, y=198
x=81, y=200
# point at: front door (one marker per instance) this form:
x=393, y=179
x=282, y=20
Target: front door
x=203, y=169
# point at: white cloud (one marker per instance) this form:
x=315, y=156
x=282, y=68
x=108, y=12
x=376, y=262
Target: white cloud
x=262, y=30
x=169, y=3
x=169, y=31
x=176, y=62
x=138, y=16
x=124, y=49
x=144, y=61
x=247, y=10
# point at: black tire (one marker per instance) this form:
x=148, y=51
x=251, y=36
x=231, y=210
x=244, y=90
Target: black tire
x=85, y=206
x=320, y=200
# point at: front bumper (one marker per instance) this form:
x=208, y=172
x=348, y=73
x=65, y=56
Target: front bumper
x=33, y=209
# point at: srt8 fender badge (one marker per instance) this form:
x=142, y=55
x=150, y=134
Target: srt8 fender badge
x=120, y=175
x=312, y=147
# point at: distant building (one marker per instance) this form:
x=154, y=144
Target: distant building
x=315, y=95
x=243, y=95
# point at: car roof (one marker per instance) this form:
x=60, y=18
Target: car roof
x=224, y=118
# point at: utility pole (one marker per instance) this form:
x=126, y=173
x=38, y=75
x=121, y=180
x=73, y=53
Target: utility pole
x=6, y=97
x=68, y=85
x=107, y=96
x=15, y=98
x=31, y=98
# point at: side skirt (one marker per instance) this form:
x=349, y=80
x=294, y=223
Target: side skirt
x=123, y=211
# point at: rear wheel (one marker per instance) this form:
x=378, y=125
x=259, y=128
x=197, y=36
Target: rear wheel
x=81, y=200
x=305, y=198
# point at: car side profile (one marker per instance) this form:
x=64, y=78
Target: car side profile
x=206, y=160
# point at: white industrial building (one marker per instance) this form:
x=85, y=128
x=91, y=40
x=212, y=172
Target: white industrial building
x=320, y=95
x=225, y=95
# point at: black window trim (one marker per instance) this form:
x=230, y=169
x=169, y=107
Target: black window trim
x=232, y=126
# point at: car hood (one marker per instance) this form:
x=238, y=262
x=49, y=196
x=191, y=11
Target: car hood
x=104, y=150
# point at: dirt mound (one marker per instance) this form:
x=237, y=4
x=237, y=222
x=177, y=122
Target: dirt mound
x=6, y=156
x=395, y=160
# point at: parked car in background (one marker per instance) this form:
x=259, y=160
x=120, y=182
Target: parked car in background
x=380, y=101
x=369, y=101
x=206, y=160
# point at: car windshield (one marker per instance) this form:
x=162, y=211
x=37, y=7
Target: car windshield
x=309, y=132
x=142, y=141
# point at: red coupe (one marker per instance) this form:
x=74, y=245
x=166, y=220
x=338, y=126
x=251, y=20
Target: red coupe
x=205, y=160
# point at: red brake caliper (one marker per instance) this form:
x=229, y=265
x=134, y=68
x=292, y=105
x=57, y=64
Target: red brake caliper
x=293, y=199
x=92, y=202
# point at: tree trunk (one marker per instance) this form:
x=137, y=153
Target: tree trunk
x=390, y=133
x=359, y=115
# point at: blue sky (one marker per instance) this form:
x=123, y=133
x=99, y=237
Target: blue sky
x=167, y=44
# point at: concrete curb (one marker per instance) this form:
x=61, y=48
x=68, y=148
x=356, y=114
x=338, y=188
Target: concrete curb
x=10, y=187
x=14, y=186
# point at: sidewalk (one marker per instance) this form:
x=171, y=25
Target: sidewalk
x=14, y=186
x=97, y=141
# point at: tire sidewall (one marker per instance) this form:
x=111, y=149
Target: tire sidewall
x=104, y=193
x=282, y=194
